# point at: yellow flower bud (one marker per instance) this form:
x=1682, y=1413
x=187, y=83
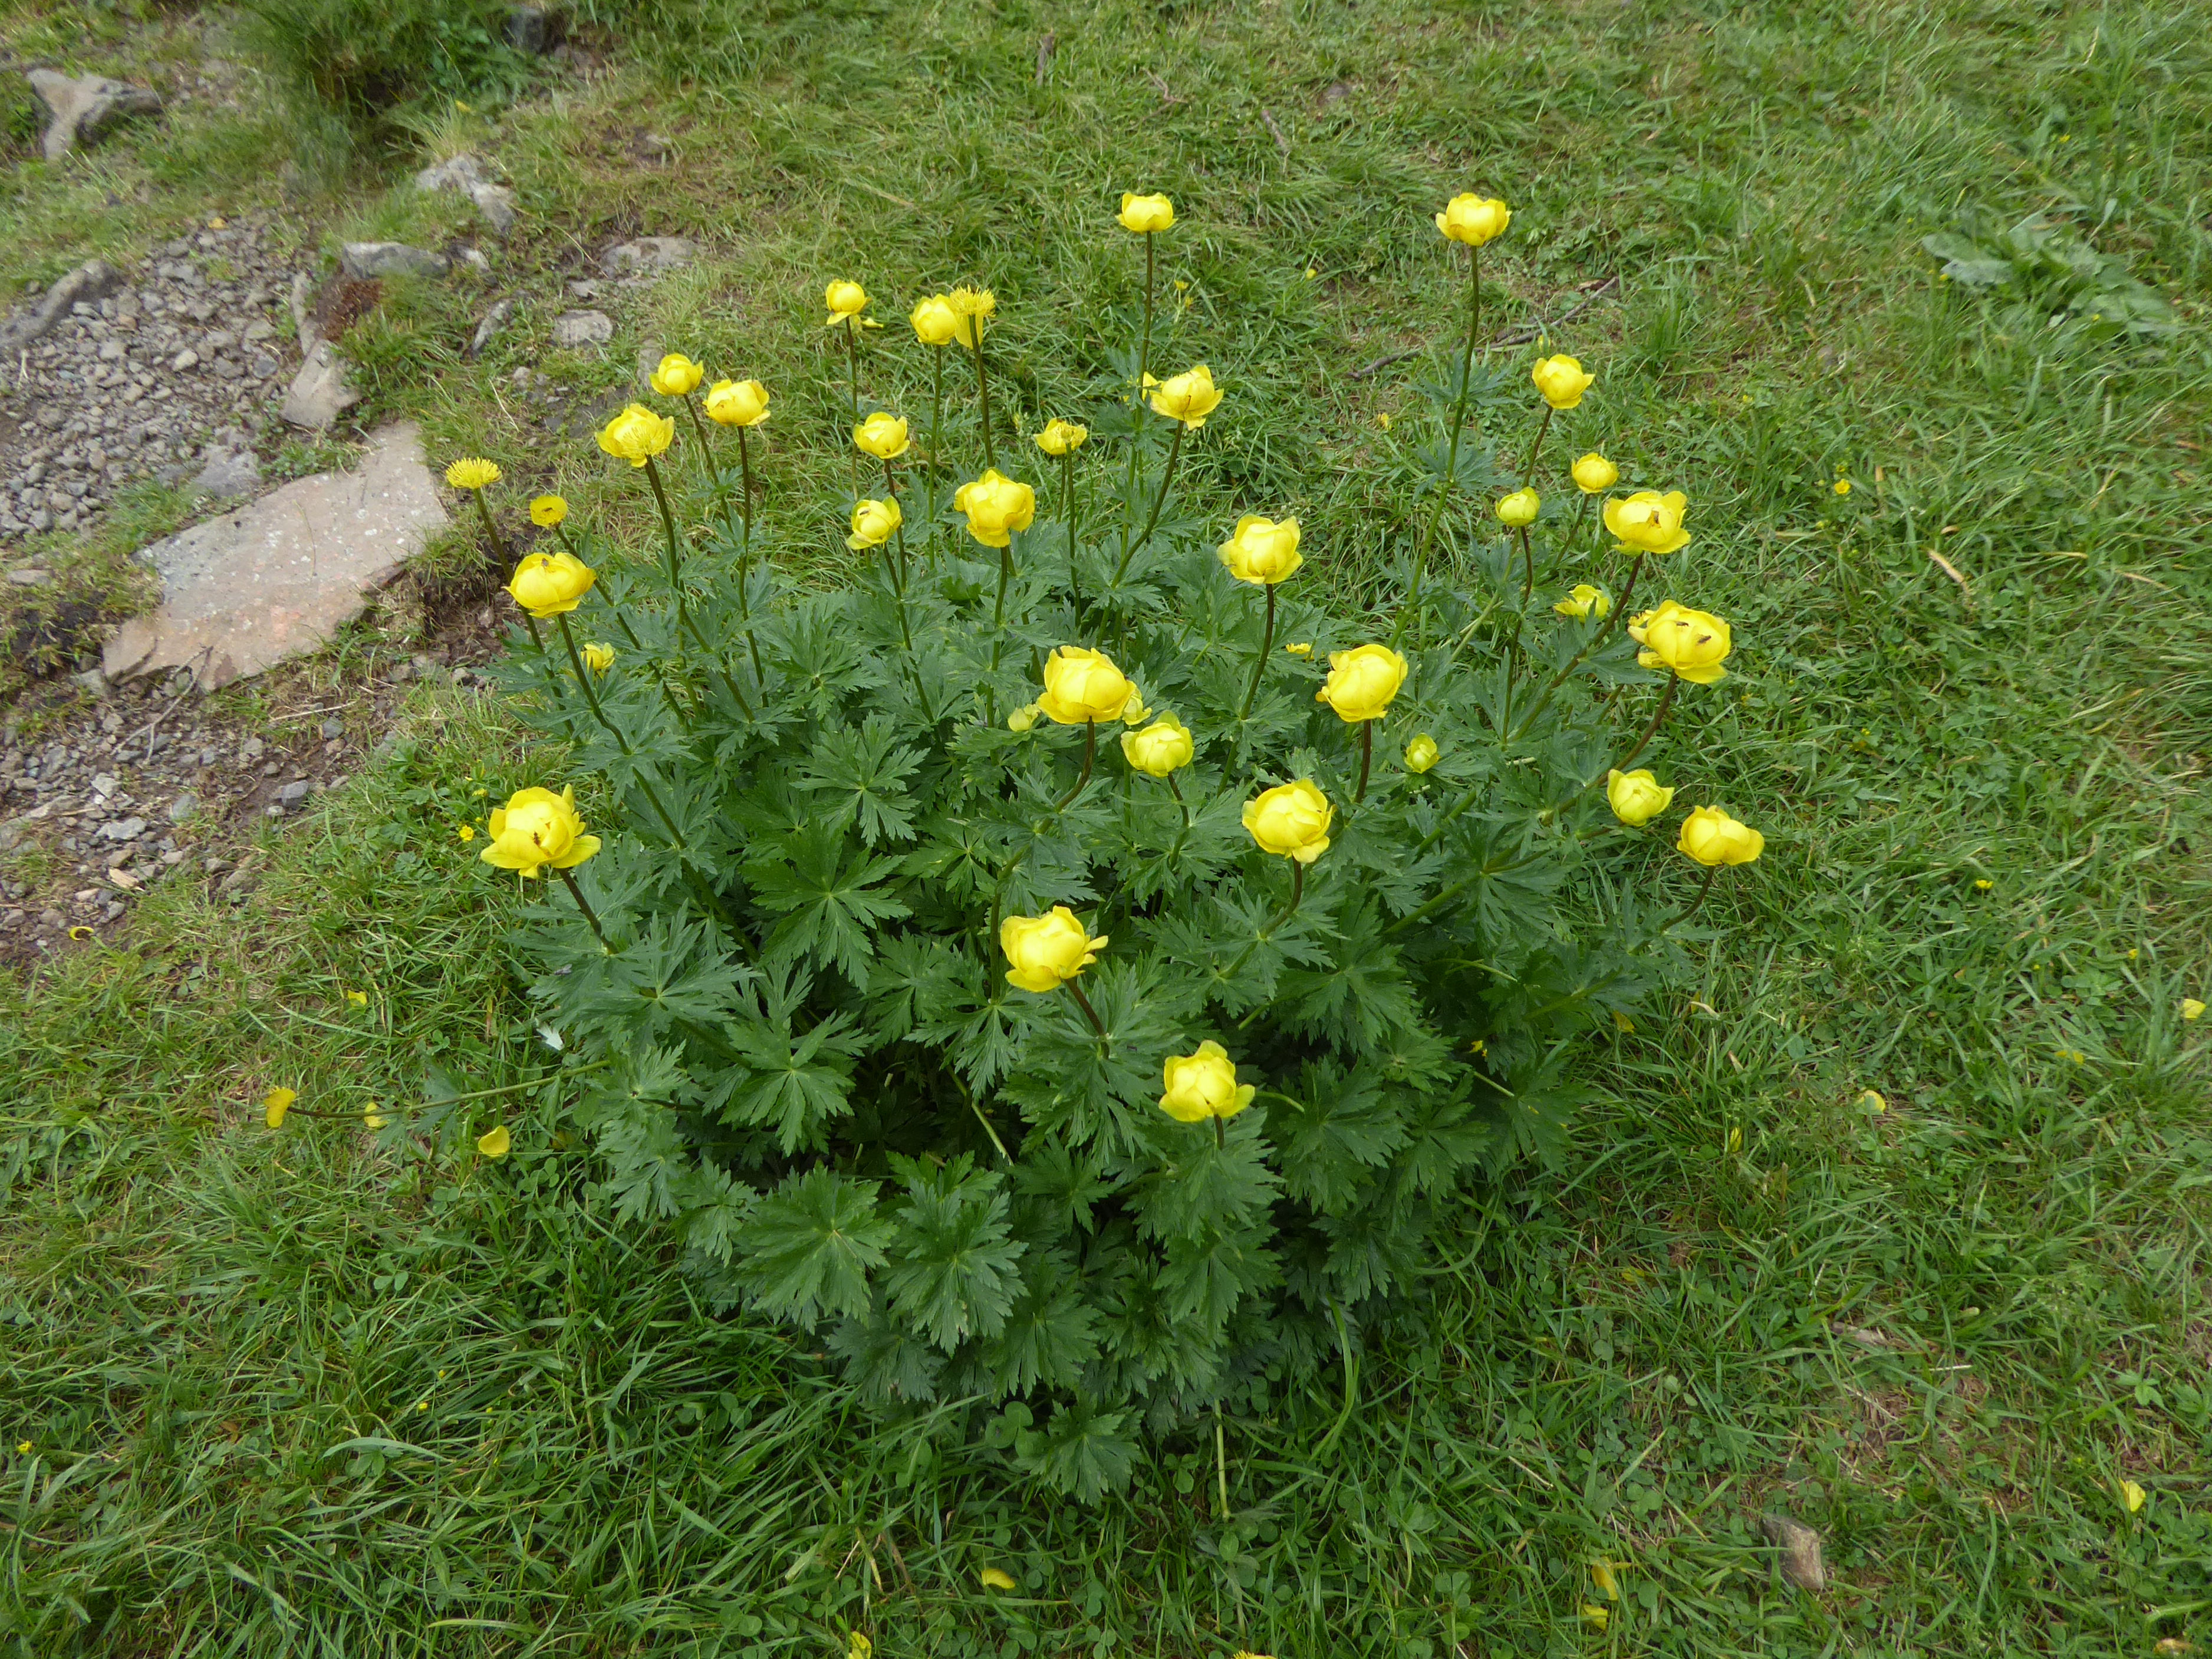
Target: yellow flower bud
x=677, y=375
x=1648, y=522
x=996, y=507
x=846, y=301
x=1145, y=213
x=935, y=322
x=881, y=435
x=1690, y=642
x=495, y=1143
x=1203, y=1085
x=1361, y=682
x=1637, y=796
x=637, y=434
x=1713, y=838
x=547, y=584
x=737, y=403
x=874, y=523
x=546, y=510
x=1189, y=397
x=1300, y=648
x=1263, y=552
x=1518, y=510
x=1082, y=685
x=1047, y=951
x=970, y=305
x=1422, y=753
x=1061, y=437
x=1160, y=748
x=373, y=1118
x=598, y=657
x=471, y=472
x=536, y=827
x=1025, y=717
x=1290, y=821
x=1561, y=380
x=1593, y=472
x=1474, y=219
x=275, y=1103
x=1585, y=601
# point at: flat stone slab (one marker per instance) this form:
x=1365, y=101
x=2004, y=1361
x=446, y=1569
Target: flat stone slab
x=242, y=593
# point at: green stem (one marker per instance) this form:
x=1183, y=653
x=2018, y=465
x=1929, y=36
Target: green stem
x=1704, y=888
x=1605, y=632
x=937, y=408
x=1067, y=505
x=1267, y=645
x=1177, y=789
x=1528, y=581
x=983, y=392
x=1221, y=1140
x=498, y=542
x=852, y=360
x=1451, y=463
x=1160, y=501
x=1089, y=754
x=584, y=679
x=1145, y=340
x=584, y=904
x=745, y=482
x=1089, y=1013
x=1528, y=467
x=1367, y=757
x=1665, y=702
x=891, y=489
x=683, y=618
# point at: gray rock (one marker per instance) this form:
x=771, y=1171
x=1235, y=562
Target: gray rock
x=185, y=808
x=248, y=590
x=92, y=681
x=1800, y=1551
x=262, y=364
x=228, y=474
x=530, y=29
x=293, y=793
x=184, y=360
x=105, y=783
x=319, y=393
x=84, y=108
x=30, y=576
x=465, y=172
x=363, y=261
x=576, y=329
x=494, y=320
x=123, y=830
x=89, y=282
x=303, y=313
x=333, y=727
x=648, y=254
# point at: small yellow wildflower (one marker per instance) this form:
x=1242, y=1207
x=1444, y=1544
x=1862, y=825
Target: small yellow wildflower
x=1982, y=883
x=466, y=832
x=1843, y=486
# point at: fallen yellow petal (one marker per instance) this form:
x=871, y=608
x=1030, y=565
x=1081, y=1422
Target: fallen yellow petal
x=2133, y=1496
x=1597, y=1615
x=495, y=1143
x=275, y=1103
x=993, y=1578
x=1602, y=1575
x=359, y=998
x=2190, y=1007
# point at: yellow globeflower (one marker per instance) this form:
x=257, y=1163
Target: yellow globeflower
x=970, y=305
x=935, y=322
x=1593, y=472
x=1047, y=951
x=737, y=403
x=536, y=827
x=874, y=523
x=677, y=375
x=275, y=1103
x=996, y=507
x=1713, y=838
x=637, y=434
x=546, y=510
x=1474, y=219
x=1290, y=821
x=472, y=472
x=1204, y=1085
x=1585, y=601
x=1690, y=642
x=598, y=657
x=1422, y=753
x=1145, y=213
x=1189, y=397
x=1263, y=552
x=1648, y=522
x=1637, y=796
x=1361, y=682
x=1518, y=510
x=846, y=301
x=882, y=436
x=1160, y=748
x=1082, y=685
x=547, y=584
x=495, y=1143
x=1561, y=380
x=1061, y=437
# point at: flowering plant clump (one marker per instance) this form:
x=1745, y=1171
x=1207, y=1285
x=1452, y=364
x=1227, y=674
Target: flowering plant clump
x=1071, y=967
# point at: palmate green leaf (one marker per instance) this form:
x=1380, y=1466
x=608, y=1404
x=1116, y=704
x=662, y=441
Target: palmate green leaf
x=1338, y=1128
x=831, y=899
x=887, y=1357
x=859, y=776
x=793, y=1084
x=1050, y=1334
x=1362, y=1001
x=1090, y=1093
x=1066, y=1184
x=952, y=1266
x=921, y=988
x=809, y=1245
x=1200, y=1186
x=1239, y=944
x=1205, y=1278
x=1377, y=1246
x=958, y=859
x=1082, y=1451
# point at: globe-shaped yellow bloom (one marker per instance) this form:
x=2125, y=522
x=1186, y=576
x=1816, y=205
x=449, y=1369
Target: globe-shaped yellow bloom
x=472, y=472
x=846, y=301
x=1082, y=685
x=1561, y=380
x=970, y=305
x=1648, y=522
x=996, y=507
x=1290, y=821
x=637, y=434
x=1637, y=796
x=882, y=436
x=1189, y=397
x=1690, y=642
x=547, y=584
x=1593, y=472
x=677, y=375
x=1263, y=551
x=1518, y=510
x=737, y=403
x=1585, y=601
x=1047, y=951
x=1474, y=219
x=1422, y=753
x=1160, y=748
x=1204, y=1086
x=1361, y=682
x=1062, y=437
x=1713, y=838
x=1145, y=213
x=538, y=827
x=546, y=510
x=598, y=657
x=935, y=322
x=873, y=524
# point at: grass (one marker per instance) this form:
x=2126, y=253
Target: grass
x=332, y=1395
